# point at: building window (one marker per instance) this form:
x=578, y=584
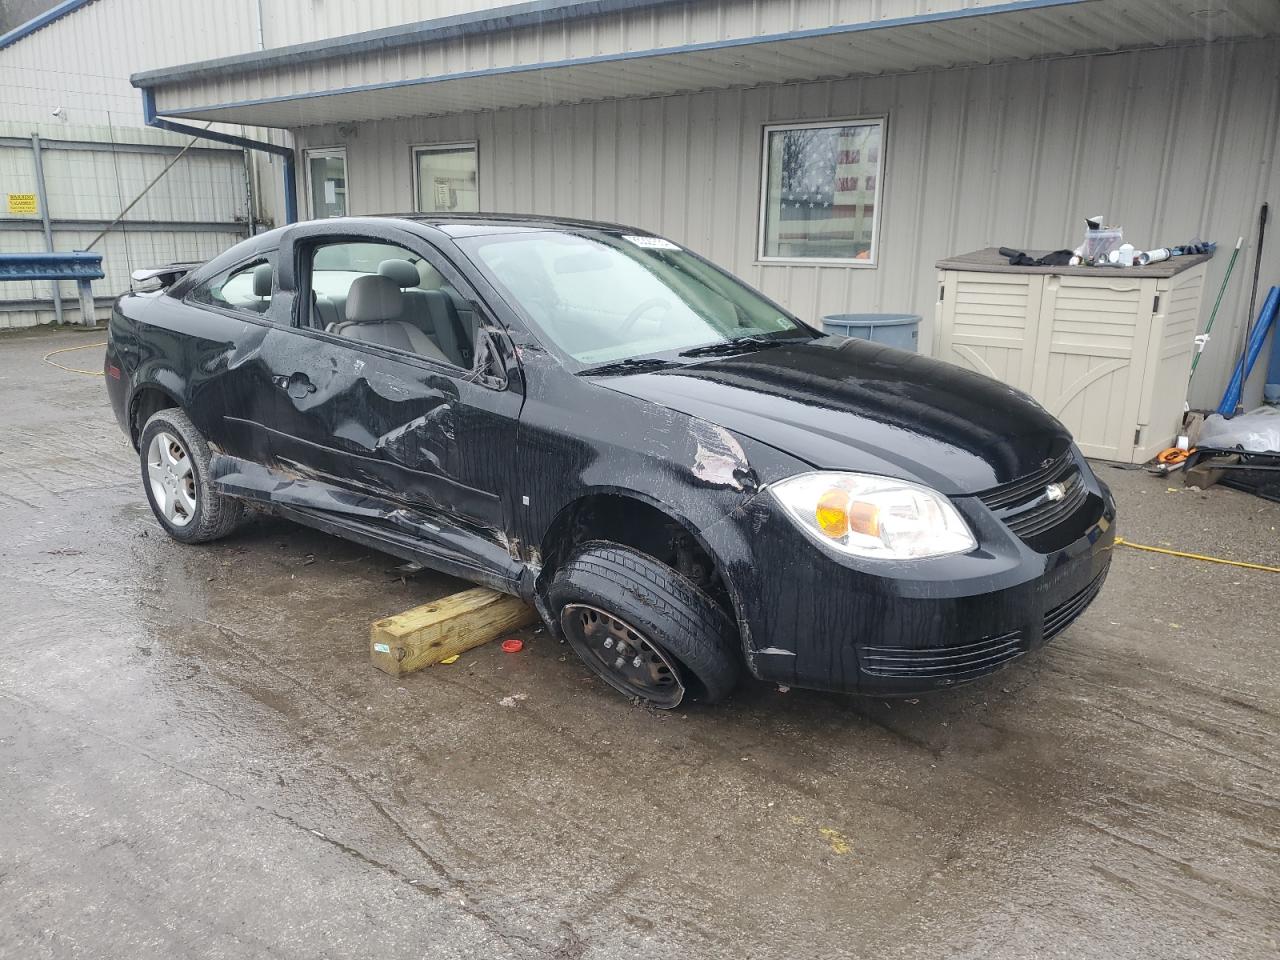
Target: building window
x=447, y=180
x=327, y=182
x=821, y=191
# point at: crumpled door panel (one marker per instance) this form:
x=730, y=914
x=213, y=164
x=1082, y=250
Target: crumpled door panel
x=400, y=428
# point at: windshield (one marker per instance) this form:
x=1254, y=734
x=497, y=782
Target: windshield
x=601, y=297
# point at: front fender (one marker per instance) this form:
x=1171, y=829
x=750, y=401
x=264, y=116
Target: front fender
x=578, y=440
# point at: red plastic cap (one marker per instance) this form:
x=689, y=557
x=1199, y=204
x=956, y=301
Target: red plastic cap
x=513, y=644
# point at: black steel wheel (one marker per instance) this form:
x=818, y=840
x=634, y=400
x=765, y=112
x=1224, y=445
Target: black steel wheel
x=675, y=640
x=622, y=655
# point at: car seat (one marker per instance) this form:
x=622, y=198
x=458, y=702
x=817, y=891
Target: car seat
x=431, y=310
x=375, y=305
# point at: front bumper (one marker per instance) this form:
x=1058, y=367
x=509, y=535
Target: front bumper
x=810, y=620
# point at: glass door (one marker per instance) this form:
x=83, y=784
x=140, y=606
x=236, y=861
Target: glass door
x=327, y=183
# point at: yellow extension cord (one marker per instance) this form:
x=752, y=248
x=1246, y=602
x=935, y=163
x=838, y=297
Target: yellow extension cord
x=1121, y=541
x=83, y=346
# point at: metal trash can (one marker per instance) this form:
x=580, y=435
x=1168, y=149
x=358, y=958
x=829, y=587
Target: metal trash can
x=901, y=330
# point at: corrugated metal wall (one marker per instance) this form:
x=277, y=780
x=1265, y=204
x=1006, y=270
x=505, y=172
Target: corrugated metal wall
x=197, y=209
x=82, y=61
x=1172, y=144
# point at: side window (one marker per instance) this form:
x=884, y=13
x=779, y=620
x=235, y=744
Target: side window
x=385, y=294
x=244, y=289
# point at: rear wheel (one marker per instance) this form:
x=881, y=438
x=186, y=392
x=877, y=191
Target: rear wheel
x=643, y=628
x=175, y=476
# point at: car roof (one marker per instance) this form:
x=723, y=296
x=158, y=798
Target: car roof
x=453, y=226
x=474, y=224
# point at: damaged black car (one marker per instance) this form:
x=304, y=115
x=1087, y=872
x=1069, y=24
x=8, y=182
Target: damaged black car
x=687, y=481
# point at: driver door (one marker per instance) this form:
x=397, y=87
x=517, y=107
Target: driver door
x=378, y=389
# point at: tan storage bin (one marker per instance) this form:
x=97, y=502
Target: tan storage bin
x=1105, y=350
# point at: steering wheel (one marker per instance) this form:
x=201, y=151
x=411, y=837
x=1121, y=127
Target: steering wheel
x=640, y=310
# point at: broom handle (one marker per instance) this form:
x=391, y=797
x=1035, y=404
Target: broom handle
x=1195, y=361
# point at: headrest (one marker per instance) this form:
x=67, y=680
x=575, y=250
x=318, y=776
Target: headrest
x=404, y=273
x=262, y=280
x=374, y=297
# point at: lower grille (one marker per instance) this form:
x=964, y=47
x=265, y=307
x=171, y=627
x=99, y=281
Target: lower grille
x=1060, y=617
x=938, y=662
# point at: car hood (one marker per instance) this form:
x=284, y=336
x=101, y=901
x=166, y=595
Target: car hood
x=844, y=404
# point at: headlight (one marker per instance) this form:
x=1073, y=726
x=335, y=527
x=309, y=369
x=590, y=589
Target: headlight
x=875, y=517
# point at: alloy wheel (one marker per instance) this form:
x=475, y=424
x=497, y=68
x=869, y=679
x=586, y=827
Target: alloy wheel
x=172, y=479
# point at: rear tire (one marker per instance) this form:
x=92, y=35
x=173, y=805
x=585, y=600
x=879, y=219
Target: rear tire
x=175, y=476
x=608, y=597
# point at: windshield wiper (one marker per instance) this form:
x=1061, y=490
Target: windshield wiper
x=629, y=365
x=737, y=345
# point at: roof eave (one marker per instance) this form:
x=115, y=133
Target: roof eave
x=477, y=23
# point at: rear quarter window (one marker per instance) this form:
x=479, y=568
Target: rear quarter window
x=245, y=288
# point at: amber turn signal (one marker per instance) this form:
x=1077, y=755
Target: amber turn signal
x=837, y=514
x=832, y=513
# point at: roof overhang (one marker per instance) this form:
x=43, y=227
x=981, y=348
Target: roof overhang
x=503, y=58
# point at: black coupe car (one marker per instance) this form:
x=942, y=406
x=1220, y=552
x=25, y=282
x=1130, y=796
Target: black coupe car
x=681, y=476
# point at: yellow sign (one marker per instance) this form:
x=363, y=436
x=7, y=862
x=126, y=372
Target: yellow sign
x=22, y=203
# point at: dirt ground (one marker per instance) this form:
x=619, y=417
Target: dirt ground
x=196, y=759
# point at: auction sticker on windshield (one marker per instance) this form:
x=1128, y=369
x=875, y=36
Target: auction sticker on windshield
x=652, y=243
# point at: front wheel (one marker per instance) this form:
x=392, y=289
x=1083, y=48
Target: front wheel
x=645, y=629
x=175, y=476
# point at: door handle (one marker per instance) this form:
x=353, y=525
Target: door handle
x=297, y=385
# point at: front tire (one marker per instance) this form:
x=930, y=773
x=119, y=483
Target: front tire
x=175, y=475
x=645, y=629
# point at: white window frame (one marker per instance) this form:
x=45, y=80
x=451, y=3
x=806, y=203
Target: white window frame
x=882, y=121
x=326, y=152
x=418, y=148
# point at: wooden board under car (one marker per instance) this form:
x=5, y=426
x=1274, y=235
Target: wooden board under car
x=451, y=625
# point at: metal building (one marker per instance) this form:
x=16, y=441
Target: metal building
x=830, y=151
x=75, y=151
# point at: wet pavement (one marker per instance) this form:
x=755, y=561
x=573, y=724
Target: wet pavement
x=196, y=758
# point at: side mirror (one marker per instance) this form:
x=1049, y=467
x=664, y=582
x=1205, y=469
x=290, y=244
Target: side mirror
x=494, y=357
